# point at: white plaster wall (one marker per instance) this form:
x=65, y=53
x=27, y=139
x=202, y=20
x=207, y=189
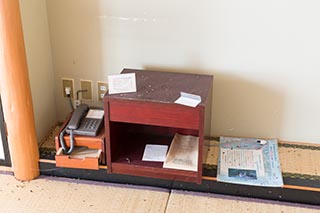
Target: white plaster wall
x=263, y=54
x=39, y=58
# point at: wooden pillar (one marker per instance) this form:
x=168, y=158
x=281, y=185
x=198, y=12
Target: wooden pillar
x=16, y=93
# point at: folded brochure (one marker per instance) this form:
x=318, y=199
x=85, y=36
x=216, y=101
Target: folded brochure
x=183, y=153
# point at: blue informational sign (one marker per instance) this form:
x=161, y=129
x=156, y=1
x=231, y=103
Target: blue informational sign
x=249, y=161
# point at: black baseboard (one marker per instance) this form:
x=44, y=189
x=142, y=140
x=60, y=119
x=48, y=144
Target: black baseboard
x=209, y=186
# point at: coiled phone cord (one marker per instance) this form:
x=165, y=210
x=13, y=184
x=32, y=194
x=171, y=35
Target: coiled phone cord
x=62, y=143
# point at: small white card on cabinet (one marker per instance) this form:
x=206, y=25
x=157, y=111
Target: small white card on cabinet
x=122, y=83
x=188, y=99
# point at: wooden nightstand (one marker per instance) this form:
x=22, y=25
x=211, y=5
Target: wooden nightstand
x=150, y=116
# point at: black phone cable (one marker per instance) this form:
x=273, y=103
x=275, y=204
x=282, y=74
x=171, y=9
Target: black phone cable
x=70, y=102
x=62, y=143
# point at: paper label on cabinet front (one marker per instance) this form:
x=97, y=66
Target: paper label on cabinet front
x=123, y=83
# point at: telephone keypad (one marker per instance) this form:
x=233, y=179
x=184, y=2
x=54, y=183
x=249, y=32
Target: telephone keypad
x=90, y=124
x=88, y=127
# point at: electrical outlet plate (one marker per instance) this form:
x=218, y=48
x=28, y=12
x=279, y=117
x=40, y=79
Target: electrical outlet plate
x=102, y=89
x=86, y=85
x=67, y=82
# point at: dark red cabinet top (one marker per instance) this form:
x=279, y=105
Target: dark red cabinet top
x=165, y=87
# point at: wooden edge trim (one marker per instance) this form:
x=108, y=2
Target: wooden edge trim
x=209, y=178
x=299, y=143
x=6, y=169
x=301, y=188
x=304, y=143
x=284, y=186
x=54, y=162
x=47, y=161
x=103, y=167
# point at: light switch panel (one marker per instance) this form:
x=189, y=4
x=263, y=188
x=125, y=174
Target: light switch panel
x=102, y=89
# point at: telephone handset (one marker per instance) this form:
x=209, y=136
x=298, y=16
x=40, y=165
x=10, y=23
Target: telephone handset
x=83, y=122
x=77, y=116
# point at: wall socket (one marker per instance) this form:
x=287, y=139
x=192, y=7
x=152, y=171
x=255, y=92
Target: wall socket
x=67, y=83
x=86, y=85
x=102, y=89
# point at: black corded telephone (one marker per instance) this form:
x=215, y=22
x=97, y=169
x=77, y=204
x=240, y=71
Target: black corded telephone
x=83, y=122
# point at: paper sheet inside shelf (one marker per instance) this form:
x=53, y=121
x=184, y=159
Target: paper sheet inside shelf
x=155, y=153
x=122, y=83
x=183, y=153
x=83, y=151
x=188, y=99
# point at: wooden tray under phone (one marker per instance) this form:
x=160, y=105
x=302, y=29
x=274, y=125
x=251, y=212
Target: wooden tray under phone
x=88, y=152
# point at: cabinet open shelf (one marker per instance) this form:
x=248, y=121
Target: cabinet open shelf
x=128, y=148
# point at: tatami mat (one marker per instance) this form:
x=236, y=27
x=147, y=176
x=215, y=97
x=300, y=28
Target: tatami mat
x=194, y=202
x=68, y=195
x=293, y=159
x=302, y=161
x=48, y=142
x=52, y=194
